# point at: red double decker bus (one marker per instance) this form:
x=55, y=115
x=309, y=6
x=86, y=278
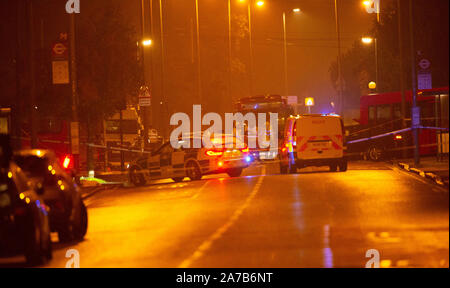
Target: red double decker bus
x=382, y=113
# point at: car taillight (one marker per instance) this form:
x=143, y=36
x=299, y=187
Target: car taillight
x=67, y=162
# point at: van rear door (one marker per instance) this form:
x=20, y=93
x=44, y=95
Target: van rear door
x=319, y=137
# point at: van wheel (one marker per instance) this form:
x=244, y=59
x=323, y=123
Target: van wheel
x=136, y=177
x=333, y=167
x=292, y=168
x=283, y=169
x=343, y=166
x=193, y=171
x=178, y=179
x=236, y=172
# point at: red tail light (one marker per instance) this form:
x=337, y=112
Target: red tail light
x=67, y=162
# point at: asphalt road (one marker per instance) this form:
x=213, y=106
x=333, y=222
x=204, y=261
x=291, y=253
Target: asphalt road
x=311, y=219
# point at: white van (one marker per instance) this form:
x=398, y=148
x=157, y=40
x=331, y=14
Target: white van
x=313, y=140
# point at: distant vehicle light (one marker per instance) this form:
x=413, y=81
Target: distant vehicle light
x=398, y=137
x=248, y=159
x=67, y=161
x=220, y=164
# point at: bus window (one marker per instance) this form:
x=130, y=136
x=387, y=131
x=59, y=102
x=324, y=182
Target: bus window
x=384, y=113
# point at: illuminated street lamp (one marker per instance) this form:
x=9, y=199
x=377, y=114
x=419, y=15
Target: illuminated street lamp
x=147, y=42
x=368, y=41
x=372, y=85
x=260, y=3
x=296, y=10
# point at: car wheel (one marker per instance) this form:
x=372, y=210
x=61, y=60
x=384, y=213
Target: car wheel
x=343, y=166
x=375, y=154
x=178, y=179
x=333, y=167
x=193, y=171
x=80, y=228
x=136, y=177
x=236, y=172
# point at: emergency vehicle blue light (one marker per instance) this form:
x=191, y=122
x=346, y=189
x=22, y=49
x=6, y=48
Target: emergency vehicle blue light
x=248, y=159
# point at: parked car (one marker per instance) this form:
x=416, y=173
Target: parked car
x=167, y=162
x=24, y=221
x=68, y=213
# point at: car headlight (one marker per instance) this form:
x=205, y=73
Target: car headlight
x=5, y=200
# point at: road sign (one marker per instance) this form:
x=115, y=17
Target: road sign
x=309, y=101
x=145, y=98
x=60, y=50
x=424, y=64
x=60, y=71
x=424, y=81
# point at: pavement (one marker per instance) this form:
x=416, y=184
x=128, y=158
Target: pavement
x=314, y=218
x=437, y=170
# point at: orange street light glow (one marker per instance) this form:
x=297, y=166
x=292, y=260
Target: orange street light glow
x=367, y=40
x=296, y=10
x=260, y=3
x=147, y=42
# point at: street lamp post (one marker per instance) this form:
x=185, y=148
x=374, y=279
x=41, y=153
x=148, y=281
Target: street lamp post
x=230, y=60
x=368, y=40
x=251, y=47
x=286, y=80
x=285, y=56
x=340, y=82
x=199, y=81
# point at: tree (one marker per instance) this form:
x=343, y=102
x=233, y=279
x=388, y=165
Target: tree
x=108, y=71
x=431, y=38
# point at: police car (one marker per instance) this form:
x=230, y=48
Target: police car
x=194, y=163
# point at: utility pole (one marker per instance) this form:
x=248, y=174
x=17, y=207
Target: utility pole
x=402, y=77
x=163, y=101
x=145, y=108
x=199, y=75
x=286, y=89
x=75, y=127
x=230, y=60
x=32, y=59
x=415, y=130
x=338, y=31
x=251, y=47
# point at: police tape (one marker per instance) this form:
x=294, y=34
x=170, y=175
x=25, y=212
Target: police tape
x=395, y=133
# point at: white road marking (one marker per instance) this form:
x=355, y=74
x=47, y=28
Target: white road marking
x=206, y=245
x=195, y=196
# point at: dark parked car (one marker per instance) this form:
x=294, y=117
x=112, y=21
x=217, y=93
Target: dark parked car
x=24, y=221
x=68, y=214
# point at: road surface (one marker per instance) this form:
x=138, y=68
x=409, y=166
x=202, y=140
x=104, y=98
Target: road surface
x=263, y=219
